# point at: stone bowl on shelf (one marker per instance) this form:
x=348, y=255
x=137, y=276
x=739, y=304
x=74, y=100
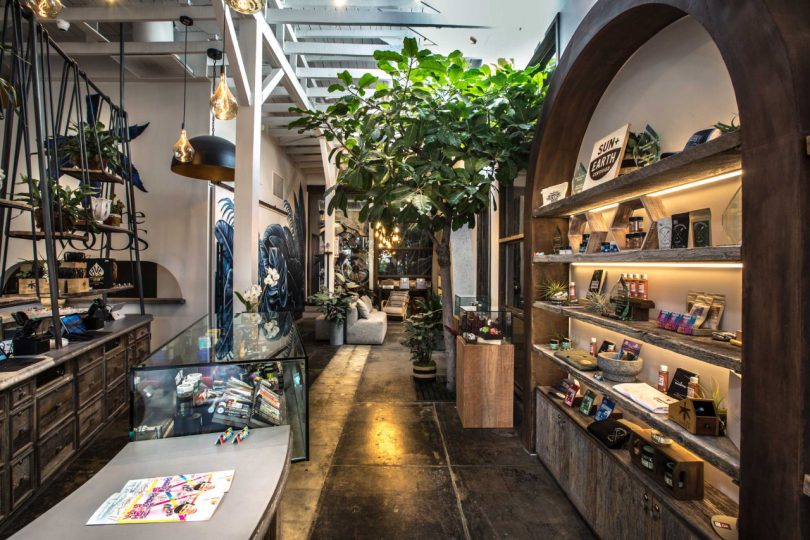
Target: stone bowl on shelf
x=618, y=370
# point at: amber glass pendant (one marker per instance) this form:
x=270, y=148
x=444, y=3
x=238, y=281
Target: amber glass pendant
x=47, y=9
x=248, y=7
x=223, y=104
x=183, y=151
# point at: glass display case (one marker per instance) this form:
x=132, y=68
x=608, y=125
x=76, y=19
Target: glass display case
x=470, y=303
x=494, y=326
x=251, y=370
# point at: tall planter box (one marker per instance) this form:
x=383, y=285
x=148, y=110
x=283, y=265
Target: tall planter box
x=485, y=381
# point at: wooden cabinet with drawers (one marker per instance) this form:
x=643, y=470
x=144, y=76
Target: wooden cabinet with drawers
x=50, y=416
x=615, y=498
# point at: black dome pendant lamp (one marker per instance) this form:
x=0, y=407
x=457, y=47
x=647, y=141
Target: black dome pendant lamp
x=214, y=158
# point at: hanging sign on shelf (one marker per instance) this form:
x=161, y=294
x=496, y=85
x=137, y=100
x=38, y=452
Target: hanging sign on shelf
x=606, y=158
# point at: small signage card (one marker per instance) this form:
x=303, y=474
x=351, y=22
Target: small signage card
x=606, y=158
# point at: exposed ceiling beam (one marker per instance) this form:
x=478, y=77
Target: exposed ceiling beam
x=282, y=121
x=270, y=82
x=354, y=3
x=363, y=17
x=283, y=108
x=323, y=92
x=234, y=53
x=278, y=58
x=76, y=48
x=286, y=133
x=135, y=13
x=303, y=140
x=91, y=33
x=345, y=32
x=338, y=58
x=331, y=73
x=346, y=49
x=307, y=158
x=312, y=150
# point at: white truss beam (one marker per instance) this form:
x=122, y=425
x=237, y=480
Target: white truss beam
x=355, y=3
x=344, y=49
x=135, y=13
x=270, y=83
x=75, y=49
x=363, y=17
x=348, y=32
x=331, y=73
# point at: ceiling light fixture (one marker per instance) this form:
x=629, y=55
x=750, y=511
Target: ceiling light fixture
x=223, y=104
x=246, y=7
x=183, y=151
x=47, y=9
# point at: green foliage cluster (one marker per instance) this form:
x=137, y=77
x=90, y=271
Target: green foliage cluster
x=334, y=305
x=66, y=203
x=427, y=147
x=102, y=147
x=422, y=329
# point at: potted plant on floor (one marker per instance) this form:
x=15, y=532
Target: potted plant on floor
x=420, y=337
x=429, y=146
x=66, y=204
x=335, y=307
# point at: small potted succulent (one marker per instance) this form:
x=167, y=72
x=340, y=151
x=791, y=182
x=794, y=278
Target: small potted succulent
x=66, y=204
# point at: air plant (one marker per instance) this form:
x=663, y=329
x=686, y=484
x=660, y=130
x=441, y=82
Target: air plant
x=554, y=291
x=728, y=128
x=717, y=398
x=598, y=303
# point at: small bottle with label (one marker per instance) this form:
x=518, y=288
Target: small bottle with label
x=593, y=346
x=663, y=378
x=693, y=390
x=632, y=285
x=643, y=285
x=572, y=292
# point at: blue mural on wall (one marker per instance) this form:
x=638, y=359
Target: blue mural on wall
x=223, y=278
x=281, y=270
x=281, y=260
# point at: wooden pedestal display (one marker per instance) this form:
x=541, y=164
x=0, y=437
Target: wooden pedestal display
x=485, y=384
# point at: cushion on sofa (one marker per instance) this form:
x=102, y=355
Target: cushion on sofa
x=363, y=310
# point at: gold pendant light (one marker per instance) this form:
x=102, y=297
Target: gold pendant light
x=183, y=151
x=47, y=9
x=247, y=7
x=223, y=104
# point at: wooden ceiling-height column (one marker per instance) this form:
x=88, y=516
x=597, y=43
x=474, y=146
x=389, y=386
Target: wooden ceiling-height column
x=765, y=45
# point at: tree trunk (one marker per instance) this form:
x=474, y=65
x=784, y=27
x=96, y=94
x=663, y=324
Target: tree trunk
x=443, y=256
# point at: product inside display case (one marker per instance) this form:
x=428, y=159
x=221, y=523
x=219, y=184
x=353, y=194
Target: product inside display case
x=490, y=327
x=210, y=378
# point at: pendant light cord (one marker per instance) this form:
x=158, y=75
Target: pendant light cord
x=213, y=89
x=185, y=75
x=224, y=42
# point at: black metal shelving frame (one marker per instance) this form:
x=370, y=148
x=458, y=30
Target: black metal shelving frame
x=51, y=94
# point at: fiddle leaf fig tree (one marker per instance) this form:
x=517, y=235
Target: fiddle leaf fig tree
x=427, y=145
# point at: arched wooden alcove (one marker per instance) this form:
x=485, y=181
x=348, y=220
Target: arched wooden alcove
x=765, y=45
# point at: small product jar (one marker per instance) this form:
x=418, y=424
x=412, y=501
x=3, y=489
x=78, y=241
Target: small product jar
x=185, y=395
x=648, y=457
x=635, y=223
x=554, y=344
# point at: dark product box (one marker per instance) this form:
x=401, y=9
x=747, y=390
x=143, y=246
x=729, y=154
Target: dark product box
x=103, y=273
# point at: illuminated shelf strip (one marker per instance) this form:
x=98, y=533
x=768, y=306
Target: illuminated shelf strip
x=719, y=451
x=704, y=349
x=708, y=257
x=712, y=161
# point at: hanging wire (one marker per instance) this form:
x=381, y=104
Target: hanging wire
x=185, y=74
x=213, y=89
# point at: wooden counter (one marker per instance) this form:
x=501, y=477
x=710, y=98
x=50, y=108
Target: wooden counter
x=485, y=377
x=55, y=404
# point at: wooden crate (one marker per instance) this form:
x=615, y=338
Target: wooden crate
x=74, y=285
x=27, y=286
x=485, y=384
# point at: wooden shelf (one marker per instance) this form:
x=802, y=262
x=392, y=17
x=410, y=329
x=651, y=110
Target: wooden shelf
x=719, y=451
x=40, y=235
x=729, y=254
x=699, y=513
x=104, y=228
x=151, y=301
x=719, y=156
x=16, y=205
x=10, y=300
x=94, y=175
x=96, y=292
x=701, y=348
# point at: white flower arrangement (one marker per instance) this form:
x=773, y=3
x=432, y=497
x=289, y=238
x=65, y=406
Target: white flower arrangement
x=252, y=297
x=271, y=280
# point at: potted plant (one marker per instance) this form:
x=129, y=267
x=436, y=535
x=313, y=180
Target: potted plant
x=335, y=307
x=66, y=204
x=116, y=212
x=101, y=147
x=555, y=292
x=429, y=147
x=420, y=336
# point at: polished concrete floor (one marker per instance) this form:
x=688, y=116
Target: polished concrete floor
x=384, y=465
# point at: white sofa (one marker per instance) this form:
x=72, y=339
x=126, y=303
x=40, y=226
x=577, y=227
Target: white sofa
x=368, y=331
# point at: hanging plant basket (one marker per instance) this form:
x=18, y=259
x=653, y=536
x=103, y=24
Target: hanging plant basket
x=61, y=222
